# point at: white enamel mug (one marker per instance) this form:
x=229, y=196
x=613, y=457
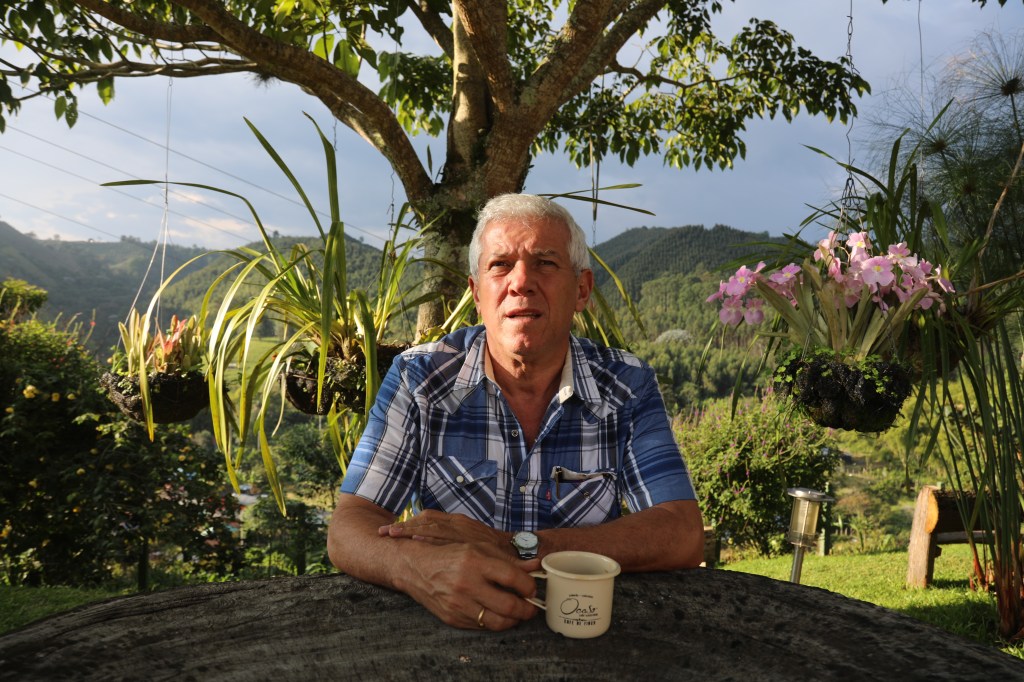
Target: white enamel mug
x=578, y=602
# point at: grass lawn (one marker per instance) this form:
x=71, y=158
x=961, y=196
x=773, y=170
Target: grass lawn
x=22, y=605
x=881, y=578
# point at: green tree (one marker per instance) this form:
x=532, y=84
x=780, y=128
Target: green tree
x=19, y=299
x=47, y=383
x=308, y=461
x=298, y=537
x=505, y=81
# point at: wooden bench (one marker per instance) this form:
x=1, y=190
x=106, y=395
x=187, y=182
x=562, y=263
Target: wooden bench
x=937, y=521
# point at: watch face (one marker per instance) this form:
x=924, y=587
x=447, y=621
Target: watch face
x=524, y=539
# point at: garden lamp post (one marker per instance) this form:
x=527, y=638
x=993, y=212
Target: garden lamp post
x=803, y=524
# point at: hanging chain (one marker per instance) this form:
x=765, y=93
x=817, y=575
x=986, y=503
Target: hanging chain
x=160, y=244
x=849, y=198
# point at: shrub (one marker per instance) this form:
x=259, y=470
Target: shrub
x=742, y=467
x=81, y=487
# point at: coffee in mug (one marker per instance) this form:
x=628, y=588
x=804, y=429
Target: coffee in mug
x=578, y=602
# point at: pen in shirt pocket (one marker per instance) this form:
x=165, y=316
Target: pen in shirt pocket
x=560, y=474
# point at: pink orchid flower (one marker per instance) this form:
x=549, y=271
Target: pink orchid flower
x=754, y=314
x=740, y=283
x=732, y=311
x=826, y=247
x=877, y=272
x=858, y=243
x=785, y=276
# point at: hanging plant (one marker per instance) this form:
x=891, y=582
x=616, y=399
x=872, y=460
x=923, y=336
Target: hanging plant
x=158, y=378
x=842, y=315
x=862, y=396
x=344, y=379
x=331, y=334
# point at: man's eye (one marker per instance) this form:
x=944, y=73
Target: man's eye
x=498, y=265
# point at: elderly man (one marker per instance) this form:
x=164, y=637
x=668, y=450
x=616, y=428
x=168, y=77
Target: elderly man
x=516, y=439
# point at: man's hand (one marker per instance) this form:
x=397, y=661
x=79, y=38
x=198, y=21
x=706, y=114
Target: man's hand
x=440, y=528
x=461, y=570
x=471, y=585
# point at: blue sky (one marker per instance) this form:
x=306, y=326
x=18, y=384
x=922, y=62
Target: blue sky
x=50, y=176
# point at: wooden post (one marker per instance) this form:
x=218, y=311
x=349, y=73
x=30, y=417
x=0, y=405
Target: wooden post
x=923, y=549
x=937, y=521
x=712, y=547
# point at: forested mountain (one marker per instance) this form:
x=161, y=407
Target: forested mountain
x=100, y=280
x=669, y=272
x=646, y=253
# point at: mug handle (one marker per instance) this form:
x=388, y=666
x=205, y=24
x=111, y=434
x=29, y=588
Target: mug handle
x=539, y=603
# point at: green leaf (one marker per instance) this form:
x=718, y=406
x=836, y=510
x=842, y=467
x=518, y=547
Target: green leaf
x=105, y=88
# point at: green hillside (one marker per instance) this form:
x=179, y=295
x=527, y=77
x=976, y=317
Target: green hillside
x=647, y=253
x=100, y=280
x=675, y=267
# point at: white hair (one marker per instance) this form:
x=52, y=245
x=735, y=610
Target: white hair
x=523, y=207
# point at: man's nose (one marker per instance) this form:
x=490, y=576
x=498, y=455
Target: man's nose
x=520, y=279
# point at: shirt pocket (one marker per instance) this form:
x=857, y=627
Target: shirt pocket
x=459, y=487
x=583, y=498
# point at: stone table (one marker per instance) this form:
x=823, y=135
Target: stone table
x=686, y=625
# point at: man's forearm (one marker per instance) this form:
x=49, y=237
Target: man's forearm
x=664, y=537
x=355, y=547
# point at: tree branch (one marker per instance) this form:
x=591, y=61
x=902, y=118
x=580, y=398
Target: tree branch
x=354, y=104
x=486, y=22
x=434, y=25
x=177, y=33
x=570, y=50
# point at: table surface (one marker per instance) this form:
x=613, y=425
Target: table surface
x=697, y=624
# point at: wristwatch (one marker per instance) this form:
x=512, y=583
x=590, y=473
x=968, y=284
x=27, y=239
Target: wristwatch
x=526, y=544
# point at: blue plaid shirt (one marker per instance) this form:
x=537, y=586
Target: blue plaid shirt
x=442, y=436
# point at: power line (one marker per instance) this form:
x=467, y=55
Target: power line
x=124, y=194
x=291, y=200
x=271, y=192
x=46, y=210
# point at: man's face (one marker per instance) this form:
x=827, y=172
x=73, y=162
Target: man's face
x=526, y=290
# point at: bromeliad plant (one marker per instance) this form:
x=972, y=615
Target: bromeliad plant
x=158, y=377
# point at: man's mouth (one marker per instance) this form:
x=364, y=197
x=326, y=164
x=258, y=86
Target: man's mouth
x=523, y=315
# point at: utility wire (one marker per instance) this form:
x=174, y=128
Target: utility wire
x=181, y=196
x=122, y=193
x=82, y=113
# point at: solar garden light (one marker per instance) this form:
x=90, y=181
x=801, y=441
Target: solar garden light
x=803, y=524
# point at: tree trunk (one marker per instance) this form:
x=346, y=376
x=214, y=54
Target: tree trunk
x=142, y=567
x=447, y=245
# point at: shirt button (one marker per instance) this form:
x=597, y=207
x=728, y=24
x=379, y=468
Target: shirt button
x=460, y=479
x=522, y=488
x=515, y=433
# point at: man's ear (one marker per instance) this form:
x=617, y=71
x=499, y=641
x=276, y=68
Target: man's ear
x=583, y=289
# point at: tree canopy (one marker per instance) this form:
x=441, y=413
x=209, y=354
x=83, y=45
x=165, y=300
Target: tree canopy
x=503, y=80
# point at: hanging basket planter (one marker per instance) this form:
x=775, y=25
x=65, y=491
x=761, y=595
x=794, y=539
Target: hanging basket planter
x=175, y=397
x=865, y=397
x=345, y=380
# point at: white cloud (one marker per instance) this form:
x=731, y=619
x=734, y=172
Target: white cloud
x=50, y=176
